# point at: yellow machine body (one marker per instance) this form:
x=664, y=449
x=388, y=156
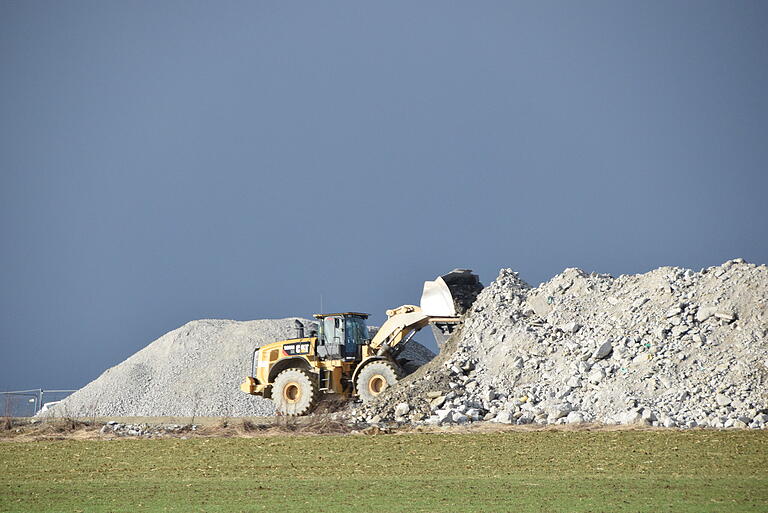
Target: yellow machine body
x=273, y=358
x=341, y=359
x=334, y=372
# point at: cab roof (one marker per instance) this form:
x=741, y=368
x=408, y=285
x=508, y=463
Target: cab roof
x=350, y=314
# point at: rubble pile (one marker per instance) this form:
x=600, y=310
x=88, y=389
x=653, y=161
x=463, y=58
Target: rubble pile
x=671, y=347
x=145, y=430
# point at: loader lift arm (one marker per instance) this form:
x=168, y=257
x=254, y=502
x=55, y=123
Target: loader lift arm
x=401, y=325
x=443, y=301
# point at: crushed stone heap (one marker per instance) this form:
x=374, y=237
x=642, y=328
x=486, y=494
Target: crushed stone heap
x=194, y=370
x=671, y=347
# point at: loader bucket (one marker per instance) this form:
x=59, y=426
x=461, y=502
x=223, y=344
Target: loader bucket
x=450, y=295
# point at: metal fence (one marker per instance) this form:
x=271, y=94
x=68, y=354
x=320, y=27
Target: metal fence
x=26, y=403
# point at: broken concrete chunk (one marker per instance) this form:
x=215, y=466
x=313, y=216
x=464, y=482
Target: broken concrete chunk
x=474, y=414
x=460, y=418
x=725, y=316
x=402, y=409
x=571, y=327
x=559, y=411
x=540, y=305
x=704, y=313
x=596, y=376
x=444, y=415
x=722, y=400
x=489, y=395
x=631, y=417
x=604, y=351
x=437, y=402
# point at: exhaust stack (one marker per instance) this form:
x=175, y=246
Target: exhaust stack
x=299, y=328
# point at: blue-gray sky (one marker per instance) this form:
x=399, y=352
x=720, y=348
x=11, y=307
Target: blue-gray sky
x=168, y=161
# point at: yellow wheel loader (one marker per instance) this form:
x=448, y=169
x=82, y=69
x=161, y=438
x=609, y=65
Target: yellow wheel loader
x=340, y=359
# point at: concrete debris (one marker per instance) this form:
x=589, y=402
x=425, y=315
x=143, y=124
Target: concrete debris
x=571, y=327
x=145, y=430
x=604, y=351
x=669, y=348
x=722, y=400
x=402, y=409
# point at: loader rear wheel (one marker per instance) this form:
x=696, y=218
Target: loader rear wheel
x=375, y=378
x=294, y=392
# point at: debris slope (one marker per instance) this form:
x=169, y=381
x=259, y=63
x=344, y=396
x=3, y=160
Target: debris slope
x=672, y=347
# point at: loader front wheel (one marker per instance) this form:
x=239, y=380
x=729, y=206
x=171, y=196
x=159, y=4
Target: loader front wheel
x=375, y=378
x=294, y=392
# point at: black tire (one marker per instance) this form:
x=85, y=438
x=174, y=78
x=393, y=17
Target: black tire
x=374, y=378
x=295, y=392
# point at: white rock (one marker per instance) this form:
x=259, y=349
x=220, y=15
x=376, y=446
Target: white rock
x=574, y=417
x=402, y=409
x=460, y=418
x=474, y=414
x=571, y=327
x=631, y=418
x=704, y=313
x=437, y=402
x=596, y=376
x=722, y=400
x=725, y=316
x=667, y=421
x=444, y=415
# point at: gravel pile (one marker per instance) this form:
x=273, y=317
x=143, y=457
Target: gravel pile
x=194, y=370
x=671, y=347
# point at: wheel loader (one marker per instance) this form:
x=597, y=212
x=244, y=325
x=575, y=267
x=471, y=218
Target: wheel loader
x=340, y=359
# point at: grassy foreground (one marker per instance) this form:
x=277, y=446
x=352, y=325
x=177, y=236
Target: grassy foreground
x=547, y=471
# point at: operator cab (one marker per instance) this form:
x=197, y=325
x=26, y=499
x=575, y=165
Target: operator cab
x=341, y=335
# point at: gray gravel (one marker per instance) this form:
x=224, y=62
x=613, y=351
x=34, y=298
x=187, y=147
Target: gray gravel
x=193, y=370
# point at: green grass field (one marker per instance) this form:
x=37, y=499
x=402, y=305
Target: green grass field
x=547, y=471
